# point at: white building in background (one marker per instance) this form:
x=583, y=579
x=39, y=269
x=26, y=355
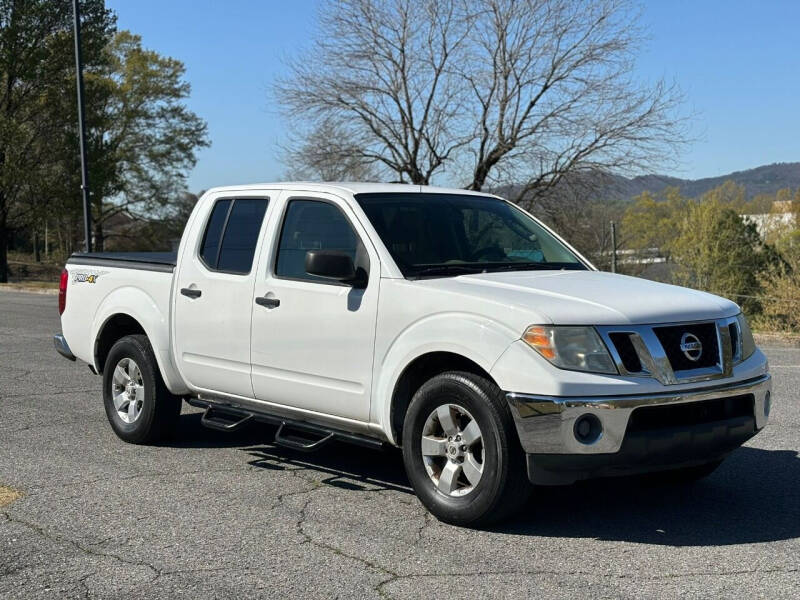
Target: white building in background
x=781, y=217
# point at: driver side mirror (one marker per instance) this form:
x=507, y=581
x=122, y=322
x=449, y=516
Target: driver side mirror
x=332, y=264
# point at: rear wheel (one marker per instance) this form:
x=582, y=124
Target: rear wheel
x=138, y=405
x=461, y=450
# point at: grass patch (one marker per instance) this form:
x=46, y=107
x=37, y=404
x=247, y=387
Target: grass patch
x=8, y=495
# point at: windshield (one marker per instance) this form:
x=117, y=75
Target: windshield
x=436, y=235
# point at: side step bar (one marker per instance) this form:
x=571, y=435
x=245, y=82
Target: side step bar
x=293, y=434
x=294, y=442
x=221, y=420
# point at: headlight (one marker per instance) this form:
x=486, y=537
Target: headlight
x=575, y=348
x=746, y=341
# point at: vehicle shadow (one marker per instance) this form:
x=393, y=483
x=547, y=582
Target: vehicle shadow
x=753, y=497
x=348, y=466
x=191, y=433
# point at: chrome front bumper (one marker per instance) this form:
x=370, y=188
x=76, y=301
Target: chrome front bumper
x=547, y=424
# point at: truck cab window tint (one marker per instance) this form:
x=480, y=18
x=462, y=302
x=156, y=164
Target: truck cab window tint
x=450, y=234
x=313, y=225
x=241, y=235
x=209, y=250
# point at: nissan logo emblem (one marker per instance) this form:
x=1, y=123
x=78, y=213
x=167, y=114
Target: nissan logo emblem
x=691, y=346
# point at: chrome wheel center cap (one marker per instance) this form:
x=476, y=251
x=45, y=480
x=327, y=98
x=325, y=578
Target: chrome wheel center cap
x=454, y=451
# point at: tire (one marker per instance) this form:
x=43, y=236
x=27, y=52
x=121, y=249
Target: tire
x=689, y=475
x=445, y=476
x=142, y=411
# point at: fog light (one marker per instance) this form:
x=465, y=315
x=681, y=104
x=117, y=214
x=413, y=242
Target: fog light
x=767, y=404
x=587, y=429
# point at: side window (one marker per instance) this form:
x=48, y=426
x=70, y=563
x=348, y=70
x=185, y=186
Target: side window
x=231, y=236
x=314, y=225
x=210, y=248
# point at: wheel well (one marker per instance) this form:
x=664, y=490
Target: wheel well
x=420, y=370
x=116, y=327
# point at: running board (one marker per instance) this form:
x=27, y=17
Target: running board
x=290, y=431
x=223, y=420
x=295, y=442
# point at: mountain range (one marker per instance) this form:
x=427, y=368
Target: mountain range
x=766, y=179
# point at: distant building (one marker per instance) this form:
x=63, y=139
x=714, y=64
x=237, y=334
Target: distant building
x=780, y=217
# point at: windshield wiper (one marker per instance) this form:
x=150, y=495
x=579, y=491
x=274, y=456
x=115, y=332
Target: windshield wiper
x=526, y=267
x=449, y=270
x=493, y=268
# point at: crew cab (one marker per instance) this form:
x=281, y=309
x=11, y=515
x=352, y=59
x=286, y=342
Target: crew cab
x=450, y=323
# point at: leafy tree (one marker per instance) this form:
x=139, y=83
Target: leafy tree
x=730, y=194
x=780, y=309
x=144, y=138
x=36, y=60
x=717, y=251
x=653, y=223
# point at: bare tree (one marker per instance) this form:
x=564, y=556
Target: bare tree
x=552, y=83
x=382, y=73
x=327, y=154
x=495, y=92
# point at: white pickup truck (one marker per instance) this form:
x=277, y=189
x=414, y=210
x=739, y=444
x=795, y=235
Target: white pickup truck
x=450, y=323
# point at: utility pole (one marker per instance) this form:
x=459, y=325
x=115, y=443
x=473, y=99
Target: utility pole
x=87, y=209
x=613, y=247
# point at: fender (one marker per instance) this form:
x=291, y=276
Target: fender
x=473, y=336
x=139, y=305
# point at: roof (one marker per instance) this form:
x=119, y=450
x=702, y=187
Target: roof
x=351, y=187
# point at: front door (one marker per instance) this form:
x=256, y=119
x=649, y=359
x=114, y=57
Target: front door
x=214, y=297
x=313, y=338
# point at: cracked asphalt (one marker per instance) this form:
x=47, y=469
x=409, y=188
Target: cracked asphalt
x=231, y=515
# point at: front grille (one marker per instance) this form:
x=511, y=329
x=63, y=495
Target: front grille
x=733, y=329
x=650, y=418
x=671, y=336
x=627, y=353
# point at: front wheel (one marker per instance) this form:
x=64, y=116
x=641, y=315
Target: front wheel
x=461, y=450
x=139, y=407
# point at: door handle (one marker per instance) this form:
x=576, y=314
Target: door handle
x=191, y=293
x=268, y=302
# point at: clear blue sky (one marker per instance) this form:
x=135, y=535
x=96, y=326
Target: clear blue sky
x=737, y=61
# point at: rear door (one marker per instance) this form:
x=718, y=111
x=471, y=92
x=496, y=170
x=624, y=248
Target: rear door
x=313, y=340
x=214, y=298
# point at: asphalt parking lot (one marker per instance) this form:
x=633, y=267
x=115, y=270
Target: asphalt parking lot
x=230, y=515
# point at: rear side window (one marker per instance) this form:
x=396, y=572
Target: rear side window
x=232, y=234
x=314, y=225
x=213, y=235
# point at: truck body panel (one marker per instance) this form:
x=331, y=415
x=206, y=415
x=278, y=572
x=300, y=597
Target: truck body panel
x=242, y=321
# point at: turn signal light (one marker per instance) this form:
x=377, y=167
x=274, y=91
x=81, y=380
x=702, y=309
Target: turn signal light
x=540, y=339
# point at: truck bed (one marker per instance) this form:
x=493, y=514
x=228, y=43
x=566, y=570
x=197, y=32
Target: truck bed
x=147, y=261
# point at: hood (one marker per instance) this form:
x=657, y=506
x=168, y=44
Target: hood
x=587, y=298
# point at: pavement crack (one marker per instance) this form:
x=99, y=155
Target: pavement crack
x=87, y=593
x=86, y=549
x=281, y=497
x=427, y=520
x=48, y=394
x=308, y=539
